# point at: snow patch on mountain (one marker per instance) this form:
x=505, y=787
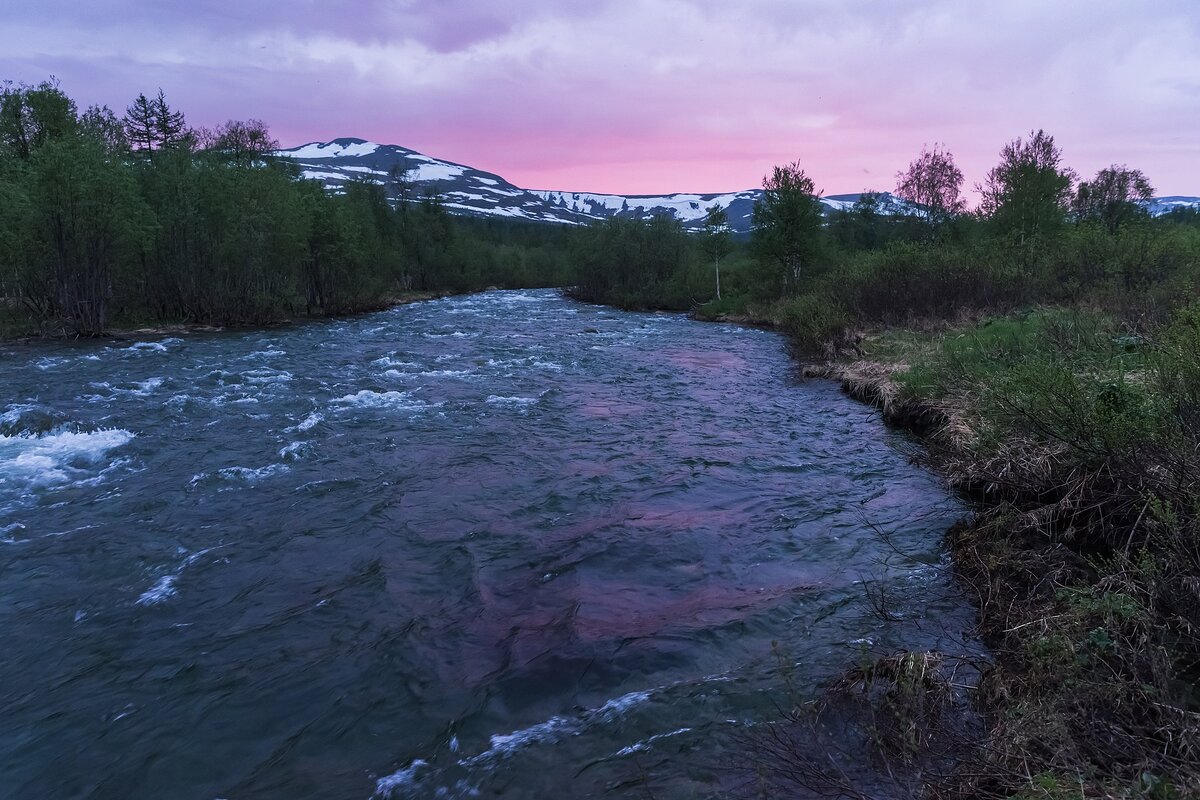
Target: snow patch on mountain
x=684, y=207
x=338, y=148
x=1157, y=206
x=434, y=171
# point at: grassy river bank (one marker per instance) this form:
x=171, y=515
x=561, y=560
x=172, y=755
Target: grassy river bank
x=1077, y=442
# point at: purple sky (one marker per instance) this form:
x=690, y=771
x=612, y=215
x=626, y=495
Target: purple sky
x=654, y=95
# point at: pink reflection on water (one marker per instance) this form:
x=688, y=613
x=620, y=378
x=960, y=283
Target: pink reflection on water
x=613, y=610
x=705, y=359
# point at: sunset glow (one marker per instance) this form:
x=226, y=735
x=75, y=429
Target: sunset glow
x=654, y=95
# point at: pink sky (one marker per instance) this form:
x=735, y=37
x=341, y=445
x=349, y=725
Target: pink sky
x=650, y=96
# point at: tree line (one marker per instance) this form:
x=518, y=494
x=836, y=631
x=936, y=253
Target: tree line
x=143, y=218
x=1039, y=235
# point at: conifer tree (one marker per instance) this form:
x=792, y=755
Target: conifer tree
x=140, y=128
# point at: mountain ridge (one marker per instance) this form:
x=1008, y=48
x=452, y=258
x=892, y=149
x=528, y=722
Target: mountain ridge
x=467, y=190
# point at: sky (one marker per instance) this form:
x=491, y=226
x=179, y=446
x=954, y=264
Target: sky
x=653, y=96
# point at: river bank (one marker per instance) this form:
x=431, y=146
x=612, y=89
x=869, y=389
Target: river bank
x=17, y=327
x=1083, y=572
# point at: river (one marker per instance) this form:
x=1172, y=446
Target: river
x=497, y=544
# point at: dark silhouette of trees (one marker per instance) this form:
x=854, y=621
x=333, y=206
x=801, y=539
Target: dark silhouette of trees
x=1113, y=198
x=152, y=125
x=933, y=182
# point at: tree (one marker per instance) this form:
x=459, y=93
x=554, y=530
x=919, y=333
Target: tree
x=31, y=116
x=933, y=182
x=170, y=126
x=1113, y=197
x=716, y=238
x=151, y=124
x=1027, y=194
x=90, y=217
x=863, y=226
x=243, y=143
x=787, y=225
x=139, y=124
x=100, y=123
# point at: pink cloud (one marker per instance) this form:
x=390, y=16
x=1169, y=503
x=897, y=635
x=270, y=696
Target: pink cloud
x=657, y=95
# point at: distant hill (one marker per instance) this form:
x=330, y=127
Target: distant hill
x=467, y=190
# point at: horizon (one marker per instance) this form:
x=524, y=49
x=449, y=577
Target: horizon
x=645, y=98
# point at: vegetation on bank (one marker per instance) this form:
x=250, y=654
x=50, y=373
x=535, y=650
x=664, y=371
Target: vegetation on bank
x=1081, y=440
x=140, y=219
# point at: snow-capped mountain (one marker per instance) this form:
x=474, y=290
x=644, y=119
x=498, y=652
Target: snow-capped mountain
x=463, y=189
x=1165, y=205
x=466, y=190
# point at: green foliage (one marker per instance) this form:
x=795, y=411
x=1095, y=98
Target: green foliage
x=717, y=240
x=812, y=319
x=636, y=264
x=1112, y=197
x=787, y=229
x=1027, y=194
x=32, y=116
x=87, y=220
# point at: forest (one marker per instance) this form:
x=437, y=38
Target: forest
x=140, y=219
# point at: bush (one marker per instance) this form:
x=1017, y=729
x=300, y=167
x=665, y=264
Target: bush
x=813, y=320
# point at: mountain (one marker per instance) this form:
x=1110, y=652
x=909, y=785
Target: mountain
x=466, y=190
x=1165, y=205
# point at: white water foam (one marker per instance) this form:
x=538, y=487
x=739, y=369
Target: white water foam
x=444, y=373
x=645, y=744
x=152, y=347
x=162, y=590
x=144, y=388
x=529, y=361
x=311, y=421
x=240, y=475
x=388, y=361
x=407, y=781
x=267, y=376
x=55, y=458
x=497, y=400
x=12, y=414
x=405, y=778
x=294, y=451
x=402, y=401
x=454, y=335
x=505, y=745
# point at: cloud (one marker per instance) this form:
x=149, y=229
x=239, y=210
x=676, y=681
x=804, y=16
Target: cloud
x=656, y=95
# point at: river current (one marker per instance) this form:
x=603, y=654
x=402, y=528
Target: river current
x=497, y=544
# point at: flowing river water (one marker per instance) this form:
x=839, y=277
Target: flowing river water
x=498, y=544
